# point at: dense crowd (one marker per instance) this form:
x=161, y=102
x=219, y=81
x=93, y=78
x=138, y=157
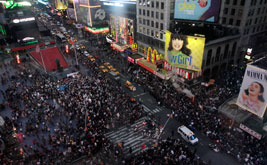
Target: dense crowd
x=62, y=120
x=201, y=113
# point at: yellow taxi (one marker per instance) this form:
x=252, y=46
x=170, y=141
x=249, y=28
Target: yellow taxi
x=117, y=73
x=113, y=69
x=106, y=63
x=130, y=86
x=104, y=70
x=109, y=66
x=101, y=67
x=92, y=59
x=82, y=46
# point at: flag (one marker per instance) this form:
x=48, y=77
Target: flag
x=37, y=49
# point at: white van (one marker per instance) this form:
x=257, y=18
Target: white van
x=187, y=134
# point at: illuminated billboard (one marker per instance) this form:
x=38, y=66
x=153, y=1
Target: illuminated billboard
x=122, y=30
x=201, y=10
x=252, y=95
x=184, y=51
x=61, y=4
x=89, y=12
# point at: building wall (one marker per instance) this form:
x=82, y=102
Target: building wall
x=220, y=55
x=250, y=16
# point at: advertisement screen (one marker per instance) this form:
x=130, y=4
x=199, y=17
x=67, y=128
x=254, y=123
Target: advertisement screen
x=61, y=4
x=184, y=51
x=252, y=95
x=202, y=10
x=122, y=30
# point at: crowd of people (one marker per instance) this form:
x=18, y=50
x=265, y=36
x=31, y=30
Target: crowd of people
x=201, y=113
x=62, y=120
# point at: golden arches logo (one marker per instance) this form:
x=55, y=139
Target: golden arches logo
x=186, y=6
x=134, y=46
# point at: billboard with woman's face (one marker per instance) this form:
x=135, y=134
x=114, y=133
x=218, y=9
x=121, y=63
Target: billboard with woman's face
x=184, y=51
x=202, y=10
x=253, y=94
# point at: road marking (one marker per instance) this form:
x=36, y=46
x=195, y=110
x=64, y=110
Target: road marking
x=140, y=95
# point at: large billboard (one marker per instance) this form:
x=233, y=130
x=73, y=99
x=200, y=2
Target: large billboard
x=184, y=51
x=252, y=95
x=122, y=30
x=201, y=10
x=61, y=4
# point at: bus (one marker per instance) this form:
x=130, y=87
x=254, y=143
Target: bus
x=61, y=37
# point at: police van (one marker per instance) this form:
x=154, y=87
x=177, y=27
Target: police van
x=187, y=134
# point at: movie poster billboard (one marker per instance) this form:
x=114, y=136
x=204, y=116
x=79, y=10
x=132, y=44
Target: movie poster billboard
x=122, y=30
x=61, y=4
x=184, y=51
x=201, y=10
x=252, y=95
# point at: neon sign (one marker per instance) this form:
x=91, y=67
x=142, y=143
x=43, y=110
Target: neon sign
x=23, y=20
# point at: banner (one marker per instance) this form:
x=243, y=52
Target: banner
x=61, y=4
x=183, y=51
x=202, y=10
x=253, y=94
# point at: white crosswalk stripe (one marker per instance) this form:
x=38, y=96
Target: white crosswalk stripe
x=149, y=111
x=131, y=137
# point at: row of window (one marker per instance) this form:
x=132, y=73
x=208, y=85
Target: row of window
x=149, y=32
x=231, y=21
x=151, y=14
x=259, y=11
x=242, y=2
x=233, y=12
x=256, y=21
x=219, y=56
x=153, y=24
x=152, y=4
x=254, y=29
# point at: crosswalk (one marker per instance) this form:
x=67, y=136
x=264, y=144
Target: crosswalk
x=131, y=137
x=149, y=111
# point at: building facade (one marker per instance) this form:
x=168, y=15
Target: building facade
x=250, y=17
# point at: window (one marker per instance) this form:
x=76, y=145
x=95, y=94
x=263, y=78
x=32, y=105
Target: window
x=231, y=21
x=157, y=34
x=240, y=12
x=148, y=3
x=152, y=23
x=235, y=2
x=227, y=2
x=209, y=57
x=256, y=21
x=157, y=15
x=259, y=10
x=162, y=16
x=226, y=49
x=233, y=50
x=147, y=22
x=140, y=11
x=162, y=5
x=224, y=20
x=157, y=4
x=144, y=30
x=140, y=20
x=152, y=4
x=152, y=14
x=148, y=13
x=144, y=12
x=242, y=3
x=225, y=11
x=258, y=28
x=148, y=32
x=152, y=33
x=253, y=31
x=238, y=22
x=218, y=52
x=261, y=2
x=161, y=36
x=233, y=12
x=157, y=25
x=140, y=29
x=161, y=26
x=144, y=21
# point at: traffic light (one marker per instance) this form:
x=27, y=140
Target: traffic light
x=18, y=59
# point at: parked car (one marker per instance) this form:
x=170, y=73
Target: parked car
x=130, y=86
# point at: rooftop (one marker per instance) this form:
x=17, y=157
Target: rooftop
x=211, y=31
x=260, y=63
